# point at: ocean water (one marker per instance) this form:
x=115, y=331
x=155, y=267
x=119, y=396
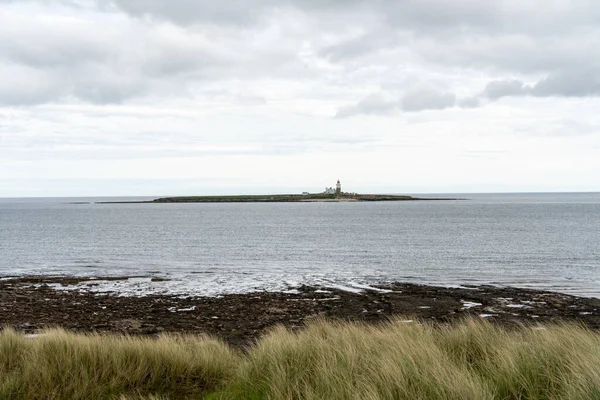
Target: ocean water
x=542, y=241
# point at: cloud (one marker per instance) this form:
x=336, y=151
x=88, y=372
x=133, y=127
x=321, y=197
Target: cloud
x=113, y=52
x=190, y=11
x=583, y=84
x=569, y=84
x=361, y=45
x=420, y=15
x=375, y=104
x=100, y=58
x=417, y=98
x=105, y=57
x=502, y=88
x=424, y=98
x=469, y=102
x=26, y=86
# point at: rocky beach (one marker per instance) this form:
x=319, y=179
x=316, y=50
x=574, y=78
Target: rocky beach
x=30, y=304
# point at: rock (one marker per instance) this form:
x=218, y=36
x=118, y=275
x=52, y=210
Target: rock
x=244, y=317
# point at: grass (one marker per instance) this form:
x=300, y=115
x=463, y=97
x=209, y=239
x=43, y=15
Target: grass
x=244, y=198
x=61, y=365
x=327, y=360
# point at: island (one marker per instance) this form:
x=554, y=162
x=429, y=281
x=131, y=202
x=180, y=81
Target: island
x=280, y=198
x=329, y=195
x=288, y=198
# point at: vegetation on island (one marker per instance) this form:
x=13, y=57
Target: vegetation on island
x=245, y=198
x=325, y=360
x=283, y=198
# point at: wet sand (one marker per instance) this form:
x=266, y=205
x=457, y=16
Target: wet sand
x=29, y=304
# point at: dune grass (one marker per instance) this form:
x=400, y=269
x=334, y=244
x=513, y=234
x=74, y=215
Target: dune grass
x=327, y=360
x=61, y=365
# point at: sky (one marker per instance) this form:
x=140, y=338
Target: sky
x=192, y=97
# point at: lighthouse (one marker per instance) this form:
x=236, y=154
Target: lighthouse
x=338, y=188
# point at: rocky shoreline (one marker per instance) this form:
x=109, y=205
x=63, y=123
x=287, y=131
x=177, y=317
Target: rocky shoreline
x=29, y=304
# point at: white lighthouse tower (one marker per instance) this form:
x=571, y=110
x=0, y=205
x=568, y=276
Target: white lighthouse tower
x=338, y=188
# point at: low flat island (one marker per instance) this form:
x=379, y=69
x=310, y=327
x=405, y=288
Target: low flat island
x=283, y=198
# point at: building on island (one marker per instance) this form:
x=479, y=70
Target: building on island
x=336, y=191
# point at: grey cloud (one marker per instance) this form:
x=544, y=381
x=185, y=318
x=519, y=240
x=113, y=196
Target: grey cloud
x=515, y=53
x=123, y=49
x=439, y=14
x=375, y=104
x=360, y=46
x=416, y=99
x=498, y=89
x=422, y=15
x=235, y=12
x=26, y=86
x=469, y=102
x=531, y=38
x=107, y=91
x=184, y=12
x=51, y=59
x=192, y=11
x=40, y=41
x=569, y=84
x=70, y=3
x=572, y=84
x=46, y=47
x=424, y=98
x=471, y=18
x=107, y=57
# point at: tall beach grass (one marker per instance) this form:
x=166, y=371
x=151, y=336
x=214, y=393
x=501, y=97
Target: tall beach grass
x=61, y=365
x=326, y=360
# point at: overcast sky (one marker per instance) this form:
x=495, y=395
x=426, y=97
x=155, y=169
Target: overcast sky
x=167, y=97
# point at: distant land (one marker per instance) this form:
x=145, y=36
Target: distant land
x=282, y=198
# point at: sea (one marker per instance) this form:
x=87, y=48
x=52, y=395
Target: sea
x=548, y=241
